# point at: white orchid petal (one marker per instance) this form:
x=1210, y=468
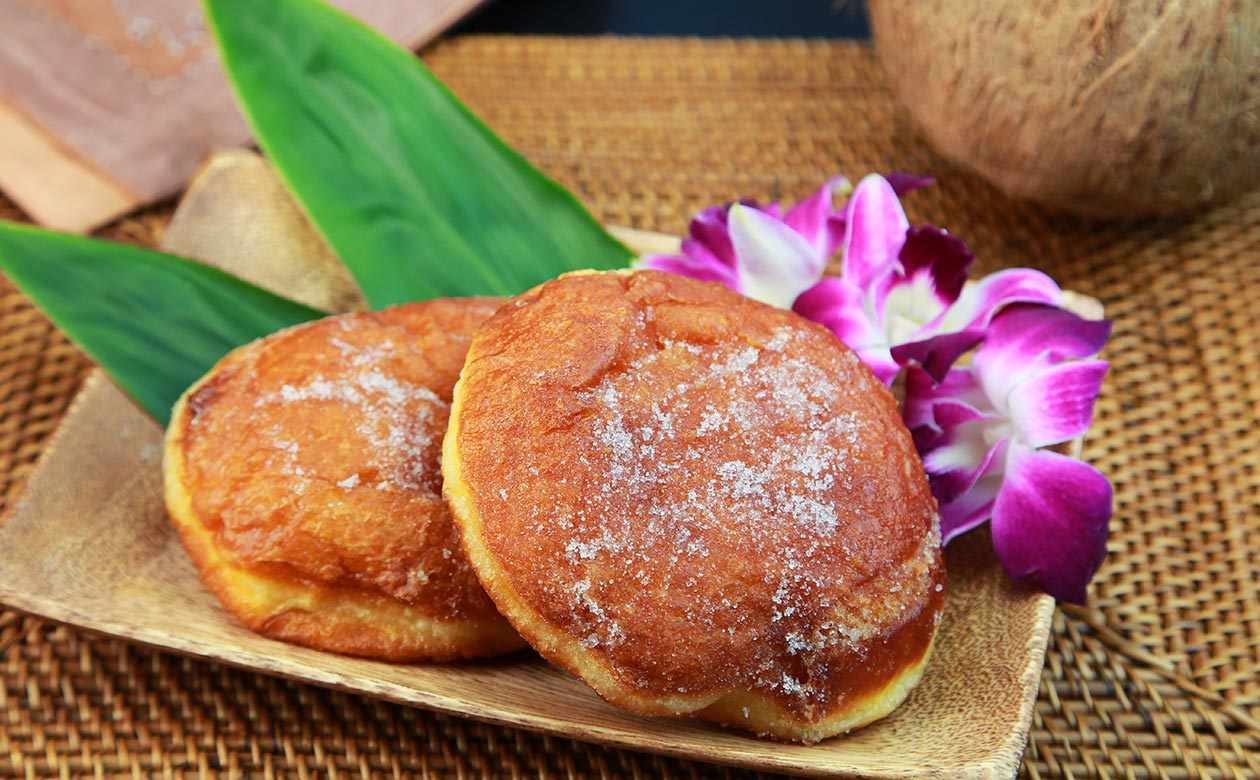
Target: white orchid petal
x=966, y=449
x=776, y=264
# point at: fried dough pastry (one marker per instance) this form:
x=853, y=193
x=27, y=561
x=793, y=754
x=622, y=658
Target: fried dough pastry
x=302, y=474
x=699, y=504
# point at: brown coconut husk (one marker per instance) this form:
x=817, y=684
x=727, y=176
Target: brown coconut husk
x=1109, y=108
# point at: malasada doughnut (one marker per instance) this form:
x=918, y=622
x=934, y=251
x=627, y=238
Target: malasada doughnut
x=302, y=474
x=697, y=503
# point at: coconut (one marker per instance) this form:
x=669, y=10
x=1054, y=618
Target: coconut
x=1104, y=107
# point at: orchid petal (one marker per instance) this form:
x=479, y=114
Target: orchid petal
x=694, y=266
x=930, y=250
x=837, y=305
x=772, y=209
x=703, y=256
x=930, y=272
x=1050, y=521
x=776, y=262
x=1048, y=334
x=958, y=457
x=923, y=393
x=709, y=228
x=964, y=452
x=970, y=509
x=905, y=183
x=1022, y=340
x=938, y=354
x=979, y=302
x=812, y=218
x=836, y=227
x=880, y=362
x=1056, y=404
x=875, y=231
x=920, y=399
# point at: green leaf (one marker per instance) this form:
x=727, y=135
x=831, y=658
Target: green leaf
x=155, y=322
x=416, y=195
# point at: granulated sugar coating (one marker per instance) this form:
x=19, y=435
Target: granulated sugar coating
x=697, y=503
x=303, y=475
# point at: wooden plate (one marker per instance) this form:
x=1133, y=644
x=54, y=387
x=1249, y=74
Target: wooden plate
x=88, y=544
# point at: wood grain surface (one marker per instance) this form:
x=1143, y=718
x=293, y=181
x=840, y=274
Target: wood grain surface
x=120, y=101
x=88, y=544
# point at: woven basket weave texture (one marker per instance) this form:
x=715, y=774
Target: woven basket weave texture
x=1158, y=677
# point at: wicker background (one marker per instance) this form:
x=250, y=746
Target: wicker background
x=1158, y=677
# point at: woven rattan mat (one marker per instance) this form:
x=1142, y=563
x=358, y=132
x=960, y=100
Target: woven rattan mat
x=1159, y=677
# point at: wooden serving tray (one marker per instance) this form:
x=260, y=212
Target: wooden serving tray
x=88, y=544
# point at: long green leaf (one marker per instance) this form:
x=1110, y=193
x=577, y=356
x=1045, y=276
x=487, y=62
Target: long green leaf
x=155, y=322
x=417, y=196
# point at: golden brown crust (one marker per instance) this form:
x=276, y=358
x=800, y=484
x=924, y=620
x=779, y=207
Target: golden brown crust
x=302, y=473
x=708, y=507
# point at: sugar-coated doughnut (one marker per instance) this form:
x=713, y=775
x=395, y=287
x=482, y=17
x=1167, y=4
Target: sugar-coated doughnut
x=699, y=504
x=302, y=474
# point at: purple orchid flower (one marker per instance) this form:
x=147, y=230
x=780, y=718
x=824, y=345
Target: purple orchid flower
x=984, y=431
x=903, y=301
x=763, y=253
x=904, y=183
x=760, y=251
x=900, y=298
